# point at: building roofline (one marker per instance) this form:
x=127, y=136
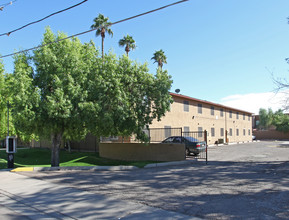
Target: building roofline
x=209, y=103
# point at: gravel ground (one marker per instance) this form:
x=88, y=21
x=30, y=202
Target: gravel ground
x=243, y=181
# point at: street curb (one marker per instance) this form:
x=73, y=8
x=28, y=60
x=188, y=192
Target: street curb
x=109, y=168
x=101, y=168
x=169, y=163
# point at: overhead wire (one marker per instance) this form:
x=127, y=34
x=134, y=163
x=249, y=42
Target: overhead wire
x=34, y=22
x=81, y=33
x=6, y=4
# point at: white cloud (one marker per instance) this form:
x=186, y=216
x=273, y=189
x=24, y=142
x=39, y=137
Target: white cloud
x=254, y=101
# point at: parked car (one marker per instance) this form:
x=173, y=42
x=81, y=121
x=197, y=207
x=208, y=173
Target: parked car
x=193, y=145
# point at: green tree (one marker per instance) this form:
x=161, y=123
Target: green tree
x=3, y=104
x=5, y=99
x=50, y=101
x=160, y=58
x=128, y=42
x=130, y=97
x=101, y=25
x=281, y=121
x=71, y=91
x=266, y=118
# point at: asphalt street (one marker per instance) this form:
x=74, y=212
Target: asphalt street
x=242, y=181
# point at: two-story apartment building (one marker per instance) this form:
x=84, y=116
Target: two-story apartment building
x=221, y=122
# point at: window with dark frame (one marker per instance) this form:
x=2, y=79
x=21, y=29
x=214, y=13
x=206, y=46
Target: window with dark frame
x=168, y=131
x=222, y=112
x=222, y=132
x=200, y=108
x=186, y=106
x=212, y=110
x=212, y=132
x=186, y=130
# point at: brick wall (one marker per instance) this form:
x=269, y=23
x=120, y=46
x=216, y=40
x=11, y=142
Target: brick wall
x=142, y=152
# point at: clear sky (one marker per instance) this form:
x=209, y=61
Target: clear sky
x=221, y=51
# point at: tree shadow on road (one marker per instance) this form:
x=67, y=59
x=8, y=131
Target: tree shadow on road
x=219, y=190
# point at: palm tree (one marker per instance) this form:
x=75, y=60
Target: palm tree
x=128, y=42
x=101, y=25
x=160, y=58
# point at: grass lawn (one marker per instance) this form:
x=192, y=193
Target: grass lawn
x=37, y=157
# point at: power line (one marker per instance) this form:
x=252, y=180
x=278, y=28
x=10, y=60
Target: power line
x=6, y=4
x=34, y=22
x=75, y=35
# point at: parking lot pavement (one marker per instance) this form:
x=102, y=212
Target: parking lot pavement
x=245, y=181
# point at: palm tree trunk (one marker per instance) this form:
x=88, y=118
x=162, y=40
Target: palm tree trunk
x=160, y=64
x=102, y=45
x=127, y=50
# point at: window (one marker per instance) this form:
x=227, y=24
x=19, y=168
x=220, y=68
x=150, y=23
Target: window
x=249, y=132
x=244, y=116
x=231, y=132
x=249, y=118
x=237, y=115
x=222, y=112
x=212, y=132
x=212, y=110
x=244, y=132
x=200, y=108
x=200, y=132
x=168, y=131
x=237, y=131
x=169, y=140
x=177, y=140
x=230, y=114
x=186, y=130
x=222, y=132
x=186, y=106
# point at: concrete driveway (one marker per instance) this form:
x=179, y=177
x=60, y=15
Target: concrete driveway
x=244, y=181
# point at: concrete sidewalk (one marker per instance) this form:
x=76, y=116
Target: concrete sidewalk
x=100, y=168
x=22, y=197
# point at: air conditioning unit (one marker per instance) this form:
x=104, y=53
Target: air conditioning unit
x=221, y=141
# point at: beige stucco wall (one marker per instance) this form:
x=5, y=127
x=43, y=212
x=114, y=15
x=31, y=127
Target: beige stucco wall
x=177, y=117
x=142, y=152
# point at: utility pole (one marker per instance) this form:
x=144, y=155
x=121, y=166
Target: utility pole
x=8, y=118
x=10, y=143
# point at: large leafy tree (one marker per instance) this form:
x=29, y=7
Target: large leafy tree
x=281, y=121
x=5, y=100
x=66, y=90
x=160, y=58
x=3, y=103
x=278, y=119
x=101, y=24
x=266, y=118
x=131, y=97
x=128, y=42
x=50, y=100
